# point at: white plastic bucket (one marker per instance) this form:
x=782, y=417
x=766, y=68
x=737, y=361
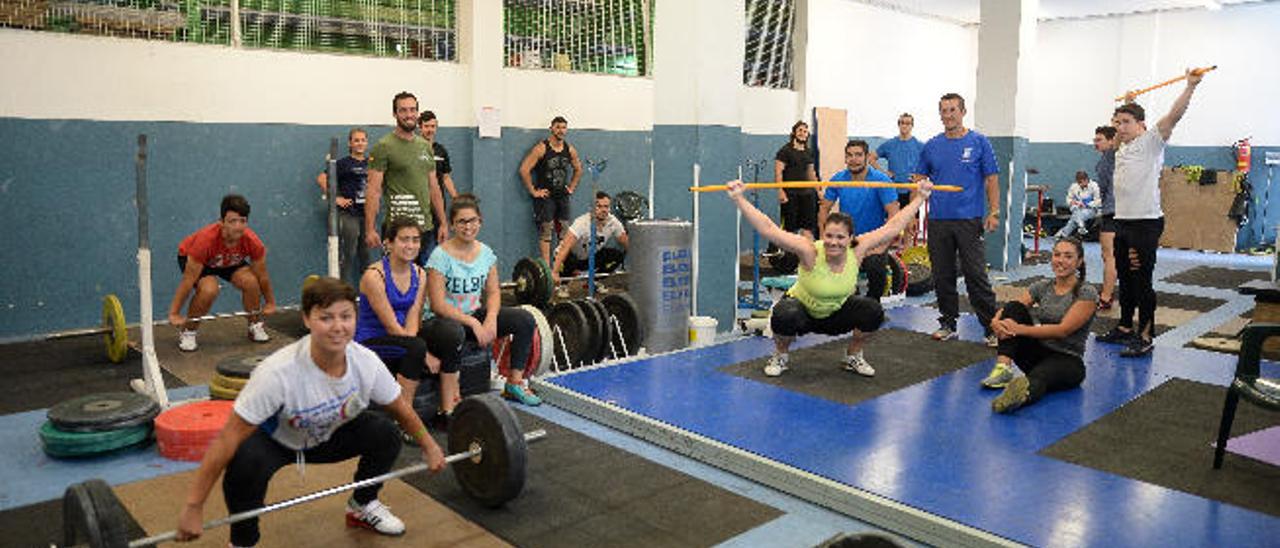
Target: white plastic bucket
x=702, y=330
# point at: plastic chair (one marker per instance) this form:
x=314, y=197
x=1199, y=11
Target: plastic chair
x=1248, y=383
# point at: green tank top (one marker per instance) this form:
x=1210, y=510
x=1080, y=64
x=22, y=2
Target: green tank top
x=821, y=291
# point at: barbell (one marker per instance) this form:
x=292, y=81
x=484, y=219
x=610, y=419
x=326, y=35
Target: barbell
x=823, y=184
x=533, y=282
x=1137, y=92
x=488, y=461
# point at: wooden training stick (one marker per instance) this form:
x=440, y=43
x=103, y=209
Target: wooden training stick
x=820, y=184
x=1136, y=93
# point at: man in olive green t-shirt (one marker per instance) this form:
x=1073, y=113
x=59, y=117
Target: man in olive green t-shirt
x=405, y=163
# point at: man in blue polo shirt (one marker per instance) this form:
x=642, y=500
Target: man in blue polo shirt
x=869, y=208
x=961, y=157
x=902, y=153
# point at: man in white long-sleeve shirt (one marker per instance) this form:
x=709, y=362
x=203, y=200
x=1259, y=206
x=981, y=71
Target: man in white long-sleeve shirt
x=1085, y=200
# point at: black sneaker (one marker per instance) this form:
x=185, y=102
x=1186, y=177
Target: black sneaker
x=1136, y=347
x=1116, y=336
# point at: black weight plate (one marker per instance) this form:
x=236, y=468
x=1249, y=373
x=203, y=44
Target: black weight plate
x=595, y=324
x=571, y=324
x=239, y=367
x=113, y=518
x=101, y=410
x=919, y=279
x=786, y=263
x=89, y=516
x=525, y=275
x=623, y=307
x=605, y=333
x=144, y=419
x=497, y=476
x=629, y=205
x=897, y=276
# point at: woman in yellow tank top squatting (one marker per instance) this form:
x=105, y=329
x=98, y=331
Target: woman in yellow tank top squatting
x=822, y=299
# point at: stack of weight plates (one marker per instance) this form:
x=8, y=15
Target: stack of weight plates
x=231, y=375
x=98, y=423
x=185, y=432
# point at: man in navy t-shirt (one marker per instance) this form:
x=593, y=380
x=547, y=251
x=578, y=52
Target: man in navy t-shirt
x=869, y=208
x=352, y=173
x=902, y=153
x=960, y=157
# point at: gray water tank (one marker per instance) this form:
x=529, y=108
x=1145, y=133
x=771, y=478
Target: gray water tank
x=660, y=262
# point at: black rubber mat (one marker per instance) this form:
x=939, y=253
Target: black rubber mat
x=40, y=374
x=582, y=492
x=1217, y=277
x=1165, y=437
x=40, y=524
x=901, y=358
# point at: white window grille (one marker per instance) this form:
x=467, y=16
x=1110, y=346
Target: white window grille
x=599, y=36
x=768, y=40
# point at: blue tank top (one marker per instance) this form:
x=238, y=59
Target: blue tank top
x=368, y=325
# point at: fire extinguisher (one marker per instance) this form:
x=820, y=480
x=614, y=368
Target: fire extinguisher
x=1244, y=155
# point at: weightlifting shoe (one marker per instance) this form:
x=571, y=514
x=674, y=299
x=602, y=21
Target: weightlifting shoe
x=1014, y=395
x=859, y=364
x=515, y=392
x=777, y=365
x=258, y=332
x=187, y=340
x=374, y=516
x=999, y=376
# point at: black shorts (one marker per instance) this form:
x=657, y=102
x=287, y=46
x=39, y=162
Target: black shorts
x=222, y=272
x=1107, y=223
x=801, y=210
x=552, y=208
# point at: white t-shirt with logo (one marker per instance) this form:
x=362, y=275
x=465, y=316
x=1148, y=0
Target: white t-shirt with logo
x=1137, y=177
x=612, y=228
x=291, y=399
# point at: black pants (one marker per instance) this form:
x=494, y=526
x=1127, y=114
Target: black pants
x=1048, y=370
x=1136, y=292
x=608, y=259
x=800, y=212
x=877, y=268
x=962, y=238
x=373, y=438
x=512, y=320
x=790, y=319
x=405, y=355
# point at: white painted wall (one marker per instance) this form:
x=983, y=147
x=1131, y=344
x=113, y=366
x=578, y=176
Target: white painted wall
x=1083, y=65
x=767, y=111
x=877, y=63
x=63, y=76
x=533, y=97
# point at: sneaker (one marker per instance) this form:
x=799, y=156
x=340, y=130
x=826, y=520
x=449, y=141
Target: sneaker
x=944, y=333
x=375, y=516
x=1014, y=395
x=999, y=376
x=858, y=364
x=515, y=392
x=258, y=332
x=1137, y=346
x=991, y=340
x=1115, y=336
x=187, y=340
x=777, y=365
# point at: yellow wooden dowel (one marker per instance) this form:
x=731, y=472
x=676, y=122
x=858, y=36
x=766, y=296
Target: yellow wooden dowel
x=1136, y=93
x=820, y=184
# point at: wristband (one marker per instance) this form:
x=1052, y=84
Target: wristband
x=420, y=433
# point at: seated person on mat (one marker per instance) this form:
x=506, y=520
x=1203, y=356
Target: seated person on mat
x=306, y=402
x=571, y=258
x=1085, y=200
x=822, y=299
x=230, y=250
x=462, y=285
x=1042, y=334
x=869, y=207
x=390, y=314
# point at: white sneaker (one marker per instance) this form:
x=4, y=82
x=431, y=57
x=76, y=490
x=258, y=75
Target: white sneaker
x=375, y=516
x=258, y=332
x=187, y=340
x=777, y=365
x=858, y=364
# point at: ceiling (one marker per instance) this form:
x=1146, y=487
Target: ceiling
x=967, y=11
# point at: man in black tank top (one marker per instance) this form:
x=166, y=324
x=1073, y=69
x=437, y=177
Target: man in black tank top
x=557, y=168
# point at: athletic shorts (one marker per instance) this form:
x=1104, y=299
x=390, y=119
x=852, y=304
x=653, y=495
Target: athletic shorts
x=222, y=272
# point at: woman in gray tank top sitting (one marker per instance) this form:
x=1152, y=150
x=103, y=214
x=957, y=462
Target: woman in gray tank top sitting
x=1042, y=333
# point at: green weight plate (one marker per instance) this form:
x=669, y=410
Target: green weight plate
x=101, y=411
x=232, y=383
x=548, y=285
x=117, y=337
x=60, y=443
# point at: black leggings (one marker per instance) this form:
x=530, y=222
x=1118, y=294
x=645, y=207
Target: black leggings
x=406, y=356
x=790, y=318
x=514, y=321
x=373, y=438
x=1142, y=236
x=1048, y=370
x=876, y=266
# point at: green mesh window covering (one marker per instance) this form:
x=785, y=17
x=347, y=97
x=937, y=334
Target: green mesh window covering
x=597, y=36
x=768, y=41
x=415, y=29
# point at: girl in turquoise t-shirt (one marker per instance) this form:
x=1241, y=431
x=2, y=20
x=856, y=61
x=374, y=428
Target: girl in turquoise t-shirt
x=823, y=300
x=462, y=285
